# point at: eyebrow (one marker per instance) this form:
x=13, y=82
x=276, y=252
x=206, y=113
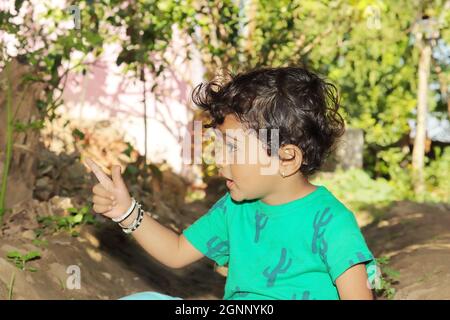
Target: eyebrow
x=235, y=139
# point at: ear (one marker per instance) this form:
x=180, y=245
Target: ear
x=291, y=158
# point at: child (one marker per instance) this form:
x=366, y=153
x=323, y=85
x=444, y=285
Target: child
x=281, y=236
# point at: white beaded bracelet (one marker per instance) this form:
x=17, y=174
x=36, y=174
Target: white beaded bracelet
x=136, y=223
x=126, y=214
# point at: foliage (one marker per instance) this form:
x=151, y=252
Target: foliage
x=21, y=260
x=45, y=39
x=388, y=278
x=356, y=188
x=67, y=223
x=367, y=48
x=437, y=176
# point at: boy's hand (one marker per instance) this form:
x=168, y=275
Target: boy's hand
x=111, y=197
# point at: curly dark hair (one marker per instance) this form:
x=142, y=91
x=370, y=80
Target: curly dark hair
x=296, y=101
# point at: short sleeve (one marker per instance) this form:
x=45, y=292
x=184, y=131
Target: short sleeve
x=343, y=244
x=209, y=233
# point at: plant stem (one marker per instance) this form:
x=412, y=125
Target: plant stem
x=9, y=133
x=11, y=286
x=144, y=101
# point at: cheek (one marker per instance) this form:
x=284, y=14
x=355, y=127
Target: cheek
x=248, y=178
x=244, y=172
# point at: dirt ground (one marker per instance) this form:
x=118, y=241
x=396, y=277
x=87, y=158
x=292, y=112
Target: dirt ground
x=111, y=263
x=416, y=238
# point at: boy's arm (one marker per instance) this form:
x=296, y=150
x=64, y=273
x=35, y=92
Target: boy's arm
x=187, y=252
x=353, y=284
x=162, y=243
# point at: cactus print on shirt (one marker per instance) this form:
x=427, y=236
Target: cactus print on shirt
x=295, y=250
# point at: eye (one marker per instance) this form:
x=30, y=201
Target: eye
x=231, y=147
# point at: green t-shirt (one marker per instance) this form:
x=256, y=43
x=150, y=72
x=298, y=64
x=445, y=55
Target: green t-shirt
x=294, y=250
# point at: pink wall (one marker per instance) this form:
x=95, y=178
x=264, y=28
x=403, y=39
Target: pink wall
x=107, y=93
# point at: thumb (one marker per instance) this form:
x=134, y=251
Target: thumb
x=117, y=177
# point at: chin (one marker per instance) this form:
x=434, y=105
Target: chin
x=236, y=196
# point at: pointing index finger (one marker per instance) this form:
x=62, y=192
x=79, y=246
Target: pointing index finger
x=101, y=176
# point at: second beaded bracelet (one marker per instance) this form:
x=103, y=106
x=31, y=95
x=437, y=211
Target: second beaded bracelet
x=137, y=221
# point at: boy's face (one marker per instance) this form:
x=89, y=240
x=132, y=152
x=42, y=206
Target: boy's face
x=250, y=172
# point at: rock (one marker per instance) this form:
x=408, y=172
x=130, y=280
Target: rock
x=107, y=275
x=61, y=202
x=29, y=234
x=43, y=182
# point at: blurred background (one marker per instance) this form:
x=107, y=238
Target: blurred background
x=112, y=80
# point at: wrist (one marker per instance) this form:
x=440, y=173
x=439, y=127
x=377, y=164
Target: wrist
x=127, y=213
x=129, y=220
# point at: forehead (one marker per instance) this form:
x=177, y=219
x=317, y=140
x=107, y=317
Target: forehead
x=231, y=122
x=232, y=128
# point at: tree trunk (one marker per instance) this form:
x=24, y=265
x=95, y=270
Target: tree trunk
x=21, y=167
x=419, y=140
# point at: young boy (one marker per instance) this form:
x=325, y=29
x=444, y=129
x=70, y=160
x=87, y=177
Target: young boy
x=281, y=236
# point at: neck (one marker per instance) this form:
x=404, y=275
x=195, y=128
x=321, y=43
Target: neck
x=289, y=189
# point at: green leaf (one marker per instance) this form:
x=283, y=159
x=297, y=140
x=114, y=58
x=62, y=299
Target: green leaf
x=77, y=133
x=72, y=210
x=18, y=4
x=128, y=150
x=132, y=170
x=13, y=254
x=33, y=255
x=89, y=219
x=75, y=233
x=63, y=222
x=78, y=218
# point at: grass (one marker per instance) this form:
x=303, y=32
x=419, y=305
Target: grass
x=40, y=243
x=11, y=286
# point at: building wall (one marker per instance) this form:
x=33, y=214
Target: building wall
x=107, y=93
